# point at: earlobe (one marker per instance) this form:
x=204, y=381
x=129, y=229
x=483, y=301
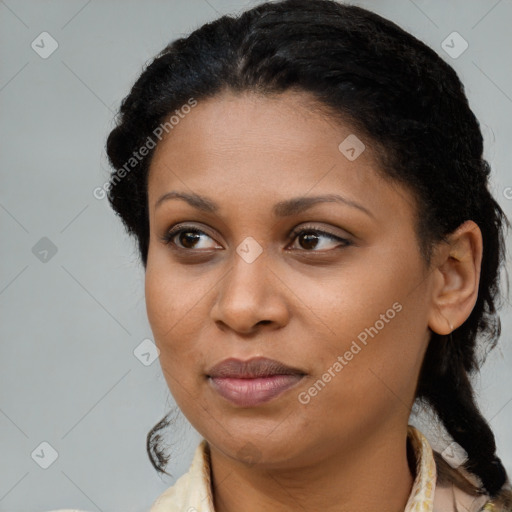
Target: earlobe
x=456, y=278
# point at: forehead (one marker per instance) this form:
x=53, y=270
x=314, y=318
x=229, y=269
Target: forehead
x=249, y=145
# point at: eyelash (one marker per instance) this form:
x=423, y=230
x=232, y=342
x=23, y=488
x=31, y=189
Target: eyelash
x=168, y=237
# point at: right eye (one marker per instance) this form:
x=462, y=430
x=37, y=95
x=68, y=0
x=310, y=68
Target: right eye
x=187, y=236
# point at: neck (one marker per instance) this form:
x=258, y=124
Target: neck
x=362, y=477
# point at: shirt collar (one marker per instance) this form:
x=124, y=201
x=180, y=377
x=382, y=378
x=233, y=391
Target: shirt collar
x=192, y=491
x=421, y=497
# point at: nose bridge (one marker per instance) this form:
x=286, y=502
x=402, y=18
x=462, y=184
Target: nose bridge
x=247, y=297
x=247, y=279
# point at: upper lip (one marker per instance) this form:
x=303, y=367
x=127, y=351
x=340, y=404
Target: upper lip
x=252, y=368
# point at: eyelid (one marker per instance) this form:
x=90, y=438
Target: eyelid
x=312, y=227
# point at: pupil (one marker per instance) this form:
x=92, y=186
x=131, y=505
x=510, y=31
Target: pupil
x=308, y=238
x=189, y=235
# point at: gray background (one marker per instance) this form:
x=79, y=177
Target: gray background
x=70, y=321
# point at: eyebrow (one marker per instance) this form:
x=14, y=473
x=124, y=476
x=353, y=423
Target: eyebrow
x=285, y=208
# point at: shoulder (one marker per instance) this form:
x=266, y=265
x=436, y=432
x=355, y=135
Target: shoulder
x=434, y=488
x=449, y=497
x=452, y=499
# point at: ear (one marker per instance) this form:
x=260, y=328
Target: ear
x=456, y=277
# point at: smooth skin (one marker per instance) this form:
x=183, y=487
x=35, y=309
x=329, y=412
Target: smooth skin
x=302, y=301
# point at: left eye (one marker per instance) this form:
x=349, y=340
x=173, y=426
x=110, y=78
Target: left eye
x=309, y=238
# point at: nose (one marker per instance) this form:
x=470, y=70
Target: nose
x=250, y=296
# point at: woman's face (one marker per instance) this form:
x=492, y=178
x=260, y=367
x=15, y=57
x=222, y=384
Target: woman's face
x=345, y=302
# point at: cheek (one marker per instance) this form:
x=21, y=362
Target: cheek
x=167, y=319
x=381, y=363
x=362, y=384
x=160, y=299
x=173, y=301
x=375, y=320
x=176, y=315
x=344, y=304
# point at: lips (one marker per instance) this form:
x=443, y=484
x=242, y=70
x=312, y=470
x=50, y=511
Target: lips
x=253, y=382
x=255, y=367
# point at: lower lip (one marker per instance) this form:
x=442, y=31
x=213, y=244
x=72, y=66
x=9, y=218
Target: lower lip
x=251, y=392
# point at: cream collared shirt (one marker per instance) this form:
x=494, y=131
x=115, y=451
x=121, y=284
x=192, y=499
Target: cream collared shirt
x=192, y=491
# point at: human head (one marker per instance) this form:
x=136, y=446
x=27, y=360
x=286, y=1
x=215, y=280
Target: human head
x=366, y=72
